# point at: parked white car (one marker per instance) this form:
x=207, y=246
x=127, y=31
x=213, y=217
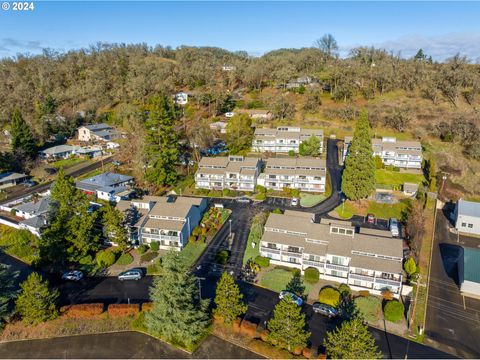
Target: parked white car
x=294, y=202
x=393, y=225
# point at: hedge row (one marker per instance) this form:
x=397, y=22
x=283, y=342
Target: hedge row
x=86, y=311
x=121, y=310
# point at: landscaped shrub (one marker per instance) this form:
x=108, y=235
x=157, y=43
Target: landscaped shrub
x=364, y=293
x=154, y=246
x=345, y=290
x=120, y=310
x=222, y=257
x=82, y=310
x=262, y=261
x=149, y=256
x=125, y=259
x=369, y=307
x=307, y=353
x=297, y=350
x=311, y=275
x=260, y=189
x=387, y=294
x=393, y=311
x=264, y=335
x=261, y=196
x=329, y=296
x=142, y=249
x=248, y=328
x=147, y=306
x=236, y=324
x=105, y=258
x=153, y=269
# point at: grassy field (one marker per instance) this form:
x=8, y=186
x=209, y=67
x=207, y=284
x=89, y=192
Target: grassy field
x=346, y=210
x=192, y=251
x=396, y=179
x=66, y=163
x=309, y=200
x=369, y=307
x=277, y=280
x=256, y=232
x=386, y=211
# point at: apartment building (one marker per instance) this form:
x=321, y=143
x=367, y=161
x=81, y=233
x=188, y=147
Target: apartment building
x=467, y=217
x=167, y=220
x=305, y=174
x=365, y=259
x=403, y=154
x=283, y=139
x=228, y=172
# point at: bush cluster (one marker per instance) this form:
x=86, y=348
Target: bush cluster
x=222, y=257
x=82, y=311
x=105, y=258
x=311, y=275
x=329, y=296
x=142, y=249
x=262, y=261
x=155, y=246
x=120, y=310
x=125, y=259
x=393, y=311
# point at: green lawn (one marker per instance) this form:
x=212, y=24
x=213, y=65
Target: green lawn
x=386, y=211
x=21, y=244
x=346, y=210
x=309, y=200
x=192, y=251
x=369, y=307
x=66, y=163
x=277, y=280
x=396, y=179
x=256, y=232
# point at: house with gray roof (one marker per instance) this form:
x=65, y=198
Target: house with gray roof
x=304, y=174
x=97, y=132
x=59, y=152
x=166, y=220
x=227, y=172
x=467, y=217
x=363, y=259
x=9, y=179
x=402, y=154
x=283, y=139
x=107, y=186
x=33, y=208
x=469, y=272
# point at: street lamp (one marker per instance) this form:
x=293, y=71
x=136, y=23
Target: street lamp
x=343, y=206
x=230, y=223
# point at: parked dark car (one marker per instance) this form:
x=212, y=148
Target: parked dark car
x=74, y=275
x=244, y=200
x=324, y=309
x=284, y=294
x=371, y=219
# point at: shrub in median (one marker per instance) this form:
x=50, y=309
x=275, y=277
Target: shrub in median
x=311, y=275
x=121, y=310
x=262, y=261
x=82, y=311
x=393, y=311
x=222, y=257
x=125, y=259
x=329, y=296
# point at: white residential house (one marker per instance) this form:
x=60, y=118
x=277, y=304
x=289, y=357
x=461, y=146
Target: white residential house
x=467, y=217
x=365, y=259
x=402, y=154
x=97, y=132
x=305, y=174
x=34, y=214
x=283, y=139
x=166, y=220
x=228, y=172
x=9, y=179
x=108, y=186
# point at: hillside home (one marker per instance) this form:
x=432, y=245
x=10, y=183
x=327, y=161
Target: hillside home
x=283, y=139
x=364, y=259
x=305, y=174
x=467, y=217
x=108, y=186
x=34, y=214
x=256, y=114
x=9, y=179
x=228, y=172
x=97, y=132
x=402, y=154
x=166, y=220
x=66, y=151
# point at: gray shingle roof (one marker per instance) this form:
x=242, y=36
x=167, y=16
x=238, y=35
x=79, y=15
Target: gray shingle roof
x=36, y=222
x=9, y=176
x=60, y=149
x=102, y=181
x=468, y=208
x=35, y=207
x=97, y=127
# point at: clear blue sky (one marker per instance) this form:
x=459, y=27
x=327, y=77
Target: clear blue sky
x=440, y=28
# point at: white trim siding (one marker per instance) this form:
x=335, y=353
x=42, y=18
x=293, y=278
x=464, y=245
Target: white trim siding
x=283, y=139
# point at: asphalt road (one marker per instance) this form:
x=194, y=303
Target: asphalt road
x=123, y=345
x=453, y=321
x=24, y=191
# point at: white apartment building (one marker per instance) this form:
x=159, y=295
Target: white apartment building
x=305, y=174
x=228, y=172
x=283, y=139
x=166, y=220
x=365, y=259
x=467, y=217
x=403, y=154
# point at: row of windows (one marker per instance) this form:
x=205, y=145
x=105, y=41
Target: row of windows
x=470, y=226
x=386, y=257
x=342, y=231
x=285, y=231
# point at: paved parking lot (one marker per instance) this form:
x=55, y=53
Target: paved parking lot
x=452, y=319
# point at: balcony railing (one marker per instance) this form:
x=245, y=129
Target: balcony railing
x=292, y=254
x=270, y=250
x=388, y=282
x=160, y=237
x=361, y=277
x=314, y=263
x=337, y=267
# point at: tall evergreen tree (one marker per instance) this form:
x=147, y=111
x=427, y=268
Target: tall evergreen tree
x=7, y=291
x=178, y=314
x=161, y=148
x=358, y=180
x=36, y=303
x=228, y=299
x=23, y=142
x=310, y=147
x=351, y=341
x=287, y=327
x=70, y=234
x=114, y=227
x=295, y=285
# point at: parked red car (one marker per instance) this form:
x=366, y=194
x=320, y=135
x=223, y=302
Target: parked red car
x=371, y=219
